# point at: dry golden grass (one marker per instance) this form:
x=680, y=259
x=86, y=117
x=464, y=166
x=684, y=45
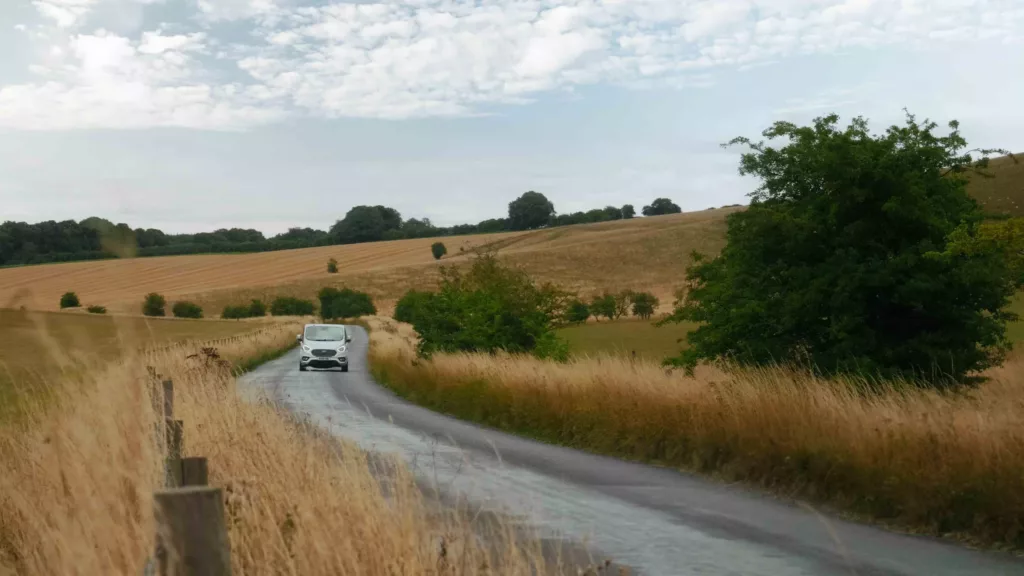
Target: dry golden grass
x=1004, y=191
x=38, y=345
x=79, y=473
x=647, y=253
x=929, y=462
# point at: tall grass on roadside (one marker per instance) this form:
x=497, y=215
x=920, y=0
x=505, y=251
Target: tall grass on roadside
x=80, y=471
x=921, y=460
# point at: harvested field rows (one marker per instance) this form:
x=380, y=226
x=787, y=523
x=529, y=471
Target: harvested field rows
x=643, y=253
x=121, y=284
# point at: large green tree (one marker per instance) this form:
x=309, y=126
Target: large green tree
x=661, y=206
x=365, y=224
x=529, y=211
x=844, y=259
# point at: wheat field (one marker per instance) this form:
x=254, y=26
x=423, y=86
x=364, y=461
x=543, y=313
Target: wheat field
x=648, y=253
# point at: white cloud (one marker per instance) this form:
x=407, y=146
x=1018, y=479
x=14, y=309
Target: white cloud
x=405, y=58
x=64, y=13
x=156, y=43
x=107, y=81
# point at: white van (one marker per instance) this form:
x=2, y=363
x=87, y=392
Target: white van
x=324, y=346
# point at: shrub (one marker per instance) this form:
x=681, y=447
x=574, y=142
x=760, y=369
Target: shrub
x=854, y=257
x=578, y=312
x=551, y=347
x=97, y=309
x=69, y=300
x=235, y=312
x=644, y=304
x=257, y=309
x=408, y=306
x=345, y=303
x=289, y=306
x=154, y=305
x=489, y=308
x=438, y=249
x=186, y=309
x=332, y=266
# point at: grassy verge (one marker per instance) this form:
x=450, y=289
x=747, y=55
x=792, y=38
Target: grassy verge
x=79, y=473
x=917, y=460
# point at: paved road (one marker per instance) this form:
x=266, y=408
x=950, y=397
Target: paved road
x=660, y=521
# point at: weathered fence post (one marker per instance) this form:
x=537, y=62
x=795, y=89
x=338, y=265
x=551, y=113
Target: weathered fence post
x=175, y=439
x=168, y=386
x=194, y=471
x=192, y=538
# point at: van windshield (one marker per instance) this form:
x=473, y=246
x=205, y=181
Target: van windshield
x=325, y=333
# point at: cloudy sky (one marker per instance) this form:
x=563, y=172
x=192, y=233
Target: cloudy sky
x=193, y=114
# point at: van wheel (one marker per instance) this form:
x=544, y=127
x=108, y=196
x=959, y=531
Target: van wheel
x=344, y=368
x=302, y=368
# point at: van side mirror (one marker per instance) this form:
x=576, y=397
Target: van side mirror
x=298, y=337
x=348, y=338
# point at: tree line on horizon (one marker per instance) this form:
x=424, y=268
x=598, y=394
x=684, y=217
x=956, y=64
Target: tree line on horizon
x=97, y=238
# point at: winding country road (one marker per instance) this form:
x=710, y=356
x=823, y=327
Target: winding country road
x=660, y=521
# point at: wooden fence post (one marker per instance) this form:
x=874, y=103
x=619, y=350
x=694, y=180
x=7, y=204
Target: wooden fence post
x=192, y=538
x=194, y=471
x=168, y=386
x=175, y=439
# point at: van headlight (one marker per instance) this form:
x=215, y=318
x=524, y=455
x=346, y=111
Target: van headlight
x=341, y=349
x=306, y=348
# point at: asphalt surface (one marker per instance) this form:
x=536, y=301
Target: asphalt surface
x=657, y=520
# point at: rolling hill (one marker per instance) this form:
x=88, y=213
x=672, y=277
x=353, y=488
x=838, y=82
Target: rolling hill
x=642, y=253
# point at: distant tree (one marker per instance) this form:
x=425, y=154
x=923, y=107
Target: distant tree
x=857, y=254
x=291, y=306
x=577, y=313
x=612, y=213
x=623, y=300
x=644, y=304
x=154, y=304
x=365, y=224
x=299, y=237
x=438, y=249
x=257, y=309
x=419, y=228
x=493, y=225
x=628, y=211
x=344, y=303
x=69, y=300
x=661, y=206
x=186, y=309
x=604, y=305
x=332, y=266
x=390, y=217
x=97, y=309
x=529, y=211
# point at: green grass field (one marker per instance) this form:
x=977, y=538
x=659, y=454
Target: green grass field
x=623, y=337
